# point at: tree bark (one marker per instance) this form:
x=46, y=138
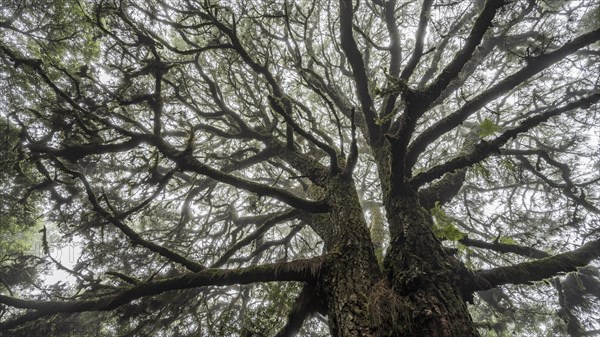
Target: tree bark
x=353, y=270
x=415, y=295
x=423, y=275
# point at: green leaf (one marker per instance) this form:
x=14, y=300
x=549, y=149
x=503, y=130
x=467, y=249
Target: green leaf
x=507, y=240
x=481, y=171
x=444, y=227
x=487, y=128
x=448, y=231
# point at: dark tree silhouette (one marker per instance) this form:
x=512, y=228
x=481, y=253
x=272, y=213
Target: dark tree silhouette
x=341, y=168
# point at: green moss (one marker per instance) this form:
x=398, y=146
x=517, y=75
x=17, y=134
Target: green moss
x=487, y=128
x=507, y=240
x=443, y=226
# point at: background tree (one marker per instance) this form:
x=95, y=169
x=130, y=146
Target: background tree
x=363, y=168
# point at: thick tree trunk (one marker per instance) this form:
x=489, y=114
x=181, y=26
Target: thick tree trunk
x=424, y=275
x=349, y=279
x=415, y=295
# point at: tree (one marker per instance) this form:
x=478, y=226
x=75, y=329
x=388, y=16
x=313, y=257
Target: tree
x=377, y=163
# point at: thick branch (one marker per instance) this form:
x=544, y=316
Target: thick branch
x=527, y=272
x=358, y=69
x=484, y=149
x=76, y=152
x=306, y=304
x=505, y=248
x=573, y=324
x=353, y=155
x=299, y=270
x=533, y=67
x=443, y=190
x=419, y=41
x=481, y=26
x=301, y=162
x=418, y=102
x=389, y=11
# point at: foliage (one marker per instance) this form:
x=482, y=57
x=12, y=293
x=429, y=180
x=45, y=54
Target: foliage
x=18, y=216
x=444, y=228
x=223, y=168
x=487, y=128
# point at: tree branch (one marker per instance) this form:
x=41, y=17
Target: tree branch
x=186, y=161
x=389, y=11
x=505, y=248
x=441, y=46
x=353, y=154
x=567, y=191
x=358, y=70
x=533, y=67
x=527, y=272
x=282, y=111
x=299, y=270
x=574, y=327
x=480, y=27
x=279, y=101
x=419, y=41
x=130, y=233
x=484, y=149
x=76, y=152
x=264, y=227
x=417, y=102
x=443, y=190
x=305, y=305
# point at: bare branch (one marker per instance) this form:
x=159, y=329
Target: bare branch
x=130, y=233
x=567, y=191
x=264, y=227
x=279, y=108
x=186, y=161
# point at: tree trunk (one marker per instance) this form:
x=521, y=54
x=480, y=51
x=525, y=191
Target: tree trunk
x=349, y=280
x=416, y=294
x=424, y=275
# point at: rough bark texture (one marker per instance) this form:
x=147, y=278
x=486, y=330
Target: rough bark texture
x=416, y=294
x=423, y=275
x=348, y=281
